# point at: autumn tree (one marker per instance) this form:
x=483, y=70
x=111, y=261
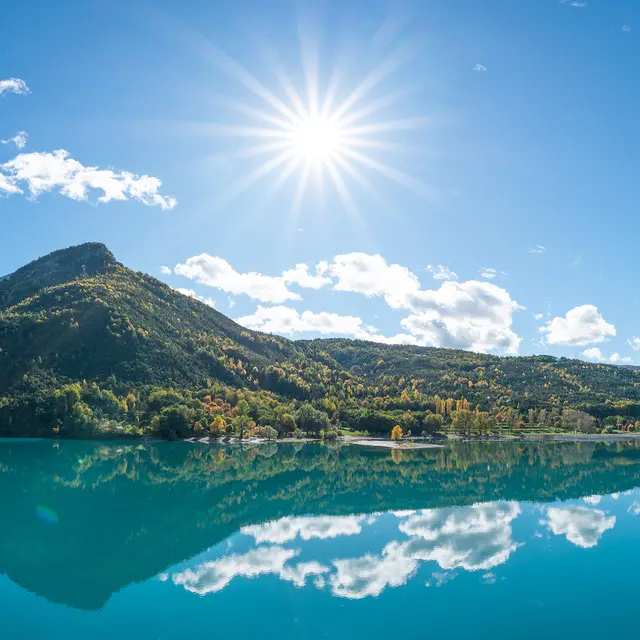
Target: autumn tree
x=396, y=433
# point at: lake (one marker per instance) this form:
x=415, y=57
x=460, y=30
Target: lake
x=174, y=540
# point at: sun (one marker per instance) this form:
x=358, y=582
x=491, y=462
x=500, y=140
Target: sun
x=330, y=133
x=316, y=140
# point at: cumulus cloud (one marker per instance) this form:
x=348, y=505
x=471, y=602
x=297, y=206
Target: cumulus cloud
x=58, y=172
x=488, y=273
x=306, y=527
x=596, y=355
x=300, y=275
x=165, y=270
x=216, y=272
x=210, y=577
x=13, y=85
x=469, y=315
x=538, y=249
x=581, y=525
x=581, y=326
x=440, y=272
x=19, y=140
x=287, y=321
x=192, y=294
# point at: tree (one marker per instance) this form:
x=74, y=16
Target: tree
x=311, y=420
x=218, y=427
x=396, y=433
x=173, y=422
x=462, y=421
x=288, y=423
x=241, y=424
x=574, y=420
x=432, y=423
x=269, y=433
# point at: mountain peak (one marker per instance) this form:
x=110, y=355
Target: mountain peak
x=63, y=265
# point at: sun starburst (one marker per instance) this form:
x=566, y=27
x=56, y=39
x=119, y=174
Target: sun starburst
x=301, y=134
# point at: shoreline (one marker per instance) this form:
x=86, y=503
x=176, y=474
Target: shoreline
x=370, y=441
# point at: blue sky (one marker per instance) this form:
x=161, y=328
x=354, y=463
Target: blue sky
x=509, y=125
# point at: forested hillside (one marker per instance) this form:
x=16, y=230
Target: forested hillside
x=89, y=347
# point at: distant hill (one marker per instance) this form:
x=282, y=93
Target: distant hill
x=84, y=341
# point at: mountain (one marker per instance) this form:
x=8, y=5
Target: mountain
x=88, y=346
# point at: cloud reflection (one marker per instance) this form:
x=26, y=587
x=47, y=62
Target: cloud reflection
x=581, y=525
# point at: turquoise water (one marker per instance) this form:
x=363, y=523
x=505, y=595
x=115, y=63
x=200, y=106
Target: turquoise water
x=502, y=540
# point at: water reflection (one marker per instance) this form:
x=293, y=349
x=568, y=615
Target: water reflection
x=343, y=521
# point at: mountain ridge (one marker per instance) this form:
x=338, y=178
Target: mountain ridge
x=79, y=317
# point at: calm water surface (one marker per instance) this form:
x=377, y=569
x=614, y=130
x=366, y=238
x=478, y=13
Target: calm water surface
x=509, y=540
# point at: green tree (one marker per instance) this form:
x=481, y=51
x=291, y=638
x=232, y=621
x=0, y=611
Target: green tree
x=269, y=433
x=311, y=420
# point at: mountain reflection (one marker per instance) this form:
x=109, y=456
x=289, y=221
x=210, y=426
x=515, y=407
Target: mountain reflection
x=82, y=521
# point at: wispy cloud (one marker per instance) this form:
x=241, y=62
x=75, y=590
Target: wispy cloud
x=626, y=28
x=14, y=85
x=480, y=67
x=441, y=272
x=538, y=249
x=576, y=4
x=634, y=343
x=488, y=273
x=19, y=140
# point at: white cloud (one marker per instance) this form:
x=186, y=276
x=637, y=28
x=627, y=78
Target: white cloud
x=214, y=271
x=57, y=171
x=596, y=354
x=218, y=273
x=13, y=85
x=538, y=249
x=19, y=140
x=192, y=294
x=307, y=527
x=371, y=275
x=488, y=273
x=165, y=270
x=480, y=67
x=581, y=326
x=210, y=577
x=581, y=525
x=300, y=275
x=440, y=272
x=468, y=315
x=287, y=321
x=634, y=343
x=538, y=316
